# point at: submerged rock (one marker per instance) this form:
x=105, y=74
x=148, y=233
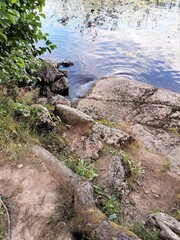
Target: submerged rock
x=66, y=64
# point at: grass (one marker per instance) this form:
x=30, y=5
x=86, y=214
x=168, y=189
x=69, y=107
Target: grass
x=86, y=170
x=80, y=167
x=145, y=233
x=119, y=125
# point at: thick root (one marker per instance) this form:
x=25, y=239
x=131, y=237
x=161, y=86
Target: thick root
x=88, y=218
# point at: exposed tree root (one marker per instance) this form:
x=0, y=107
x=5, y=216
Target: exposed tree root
x=88, y=218
x=8, y=217
x=169, y=226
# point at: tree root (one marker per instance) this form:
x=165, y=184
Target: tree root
x=169, y=226
x=8, y=217
x=88, y=218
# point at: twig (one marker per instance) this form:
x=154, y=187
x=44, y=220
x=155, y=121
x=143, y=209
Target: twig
x=8, y=217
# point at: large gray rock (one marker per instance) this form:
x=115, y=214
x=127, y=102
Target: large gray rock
x=60, y=85
x=161, y=142
x=73, y=116
x=154, y=113
x=131, y=101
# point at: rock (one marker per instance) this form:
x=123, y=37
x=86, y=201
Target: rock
x=46, y=91
x=153, y=113
x=47, y=73
x=73, y=116
x=111, y=136
x=86, y=148
x=50, y=79
x=161, y=142
x=136, y=103
x=58, y=99
x=111, y=174
x=42, y=100
x=60, y=86
x=42, y=117
x=66, y=64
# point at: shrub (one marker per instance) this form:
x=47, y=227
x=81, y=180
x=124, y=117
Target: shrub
x=19, y=32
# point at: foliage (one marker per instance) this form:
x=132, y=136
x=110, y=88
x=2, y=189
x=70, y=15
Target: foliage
x=15, y=129
x=108, y=203
x=19, y=32
x=86, y=170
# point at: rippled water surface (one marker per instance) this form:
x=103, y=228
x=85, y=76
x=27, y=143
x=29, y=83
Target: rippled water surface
x=134, y=39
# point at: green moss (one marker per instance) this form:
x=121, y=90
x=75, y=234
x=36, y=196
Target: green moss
x=174, y=131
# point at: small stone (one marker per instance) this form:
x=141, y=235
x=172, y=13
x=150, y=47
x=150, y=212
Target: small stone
x=156, y=195
x=20, y=166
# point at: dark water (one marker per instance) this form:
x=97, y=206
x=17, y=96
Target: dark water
x=132, y=39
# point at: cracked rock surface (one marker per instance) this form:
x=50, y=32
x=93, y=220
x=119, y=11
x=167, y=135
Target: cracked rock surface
x=88, y=147
x=126, y=100
x=154, y=113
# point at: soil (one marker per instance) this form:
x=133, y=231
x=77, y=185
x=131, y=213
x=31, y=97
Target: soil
x=34, y=199
x=156, y=190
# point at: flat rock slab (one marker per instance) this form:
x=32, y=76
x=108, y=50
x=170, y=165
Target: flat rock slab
x=131, y=101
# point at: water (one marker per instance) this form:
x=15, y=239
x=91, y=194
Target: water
x=133, y=39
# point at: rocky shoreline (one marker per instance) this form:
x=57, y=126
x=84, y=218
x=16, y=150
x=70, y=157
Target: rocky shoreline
x=128, y=131
x=154, y=113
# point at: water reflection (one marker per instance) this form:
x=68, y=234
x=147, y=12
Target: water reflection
x=134, y=39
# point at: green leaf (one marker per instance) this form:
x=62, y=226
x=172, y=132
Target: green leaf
x=3, y=35
x=14, y=1
x=42, y=15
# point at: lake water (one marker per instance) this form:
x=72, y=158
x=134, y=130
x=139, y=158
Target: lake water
x=132, y=39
